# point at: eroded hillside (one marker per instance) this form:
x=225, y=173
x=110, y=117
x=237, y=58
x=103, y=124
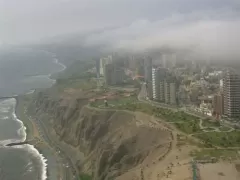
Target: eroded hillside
x=114, y=143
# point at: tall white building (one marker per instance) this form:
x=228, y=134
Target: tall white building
x=155, y=87
x=158, y=76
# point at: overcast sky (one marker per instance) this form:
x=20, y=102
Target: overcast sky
x=211, y=25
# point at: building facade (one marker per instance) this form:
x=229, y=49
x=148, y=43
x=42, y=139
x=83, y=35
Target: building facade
x=113, y=74
x=155, y=84
x=173, y=93
x=147, y=69
x=170, y=93
x=218, y=105
x=98, y=67
x=103, y=62
x=231, y=92
x=109, y=74
x=158, y=77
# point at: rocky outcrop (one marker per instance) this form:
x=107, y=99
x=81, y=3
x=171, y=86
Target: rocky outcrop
x=113, y=142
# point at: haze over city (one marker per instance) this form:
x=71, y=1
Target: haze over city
x=119, y=90
x=209, y=28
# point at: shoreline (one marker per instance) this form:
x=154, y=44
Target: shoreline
x=30, y=130
x=29, y=134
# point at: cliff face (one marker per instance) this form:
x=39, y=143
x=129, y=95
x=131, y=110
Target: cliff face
x=113, y=142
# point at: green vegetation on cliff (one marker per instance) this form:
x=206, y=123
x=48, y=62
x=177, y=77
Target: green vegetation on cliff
x=186, y=123
x=79, y=75
x=85, y=177
x=209, y=123
x=76, y=70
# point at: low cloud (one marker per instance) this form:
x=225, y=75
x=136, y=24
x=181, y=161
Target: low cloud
x=211, y=34
x=209, y=28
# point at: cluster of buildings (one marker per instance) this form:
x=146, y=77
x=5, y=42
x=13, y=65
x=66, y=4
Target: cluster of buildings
x=111, y=69
x=160, y=82
x=187, y=83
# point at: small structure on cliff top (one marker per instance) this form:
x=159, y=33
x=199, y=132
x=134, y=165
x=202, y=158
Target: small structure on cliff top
x=106, y=103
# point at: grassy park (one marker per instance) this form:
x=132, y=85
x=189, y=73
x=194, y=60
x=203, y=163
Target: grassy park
x=85, y=177
x=221, y=139
x=184, y=122
x=210, y=123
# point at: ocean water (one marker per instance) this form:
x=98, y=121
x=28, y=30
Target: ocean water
x=21, y=70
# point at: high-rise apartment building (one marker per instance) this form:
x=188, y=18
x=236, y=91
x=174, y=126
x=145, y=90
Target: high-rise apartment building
x=155, y=87
x=103, y=63
x=149, y=90
x=113, y=74
x=148, y=75
x=218, y=105
x=170, y=93
x=98, y=67
x=170, y=90
x=109, y=74
x=140, y=67
x=158, y=76
x=148, y=69
x=231, y=92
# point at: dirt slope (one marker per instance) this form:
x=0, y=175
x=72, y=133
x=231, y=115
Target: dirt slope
x=114, y=143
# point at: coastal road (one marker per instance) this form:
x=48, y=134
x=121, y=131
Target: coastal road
x=67, y=172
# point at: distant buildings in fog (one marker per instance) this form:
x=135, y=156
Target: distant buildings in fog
x=112, y=71
x=103, y=62
x=162, y=85
x=169, y=60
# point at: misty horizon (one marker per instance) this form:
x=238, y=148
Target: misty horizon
x=208, y=29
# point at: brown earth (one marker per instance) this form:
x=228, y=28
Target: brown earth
x=221, y=170
x=111, y=144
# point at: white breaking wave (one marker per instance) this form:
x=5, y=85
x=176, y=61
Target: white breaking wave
x=29, y=167
x=55, y=60
x=60, y=64
x=31, y=149
x=22, y=133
